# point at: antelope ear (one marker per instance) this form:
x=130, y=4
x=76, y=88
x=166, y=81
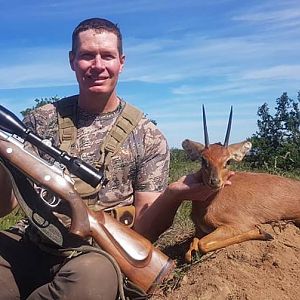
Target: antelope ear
x=193, y=149
x=239, y=150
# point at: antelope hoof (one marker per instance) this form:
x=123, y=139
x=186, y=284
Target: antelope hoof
x=268, y=237
x=265, y=236
x=193, y=248
x=188, y=256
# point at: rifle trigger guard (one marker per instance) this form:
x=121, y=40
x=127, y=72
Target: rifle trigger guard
x=48, y=197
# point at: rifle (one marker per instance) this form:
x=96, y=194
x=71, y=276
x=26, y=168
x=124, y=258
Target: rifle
x=139, y=260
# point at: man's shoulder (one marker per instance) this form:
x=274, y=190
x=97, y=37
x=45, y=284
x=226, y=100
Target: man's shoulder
x=50, y=110
x=42, y=117
x=45, y=111
x=146, y=130
x=66, y=101
x=52, y=107
x=148, y=125
x=147, y=133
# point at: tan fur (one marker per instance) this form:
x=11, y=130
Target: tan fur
x=234, y=212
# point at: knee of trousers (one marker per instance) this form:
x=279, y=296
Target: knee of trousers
x=94, y=276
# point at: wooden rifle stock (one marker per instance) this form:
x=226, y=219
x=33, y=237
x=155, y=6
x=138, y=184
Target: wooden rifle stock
x=139, y=260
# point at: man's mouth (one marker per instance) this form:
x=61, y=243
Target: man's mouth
x=97, y=78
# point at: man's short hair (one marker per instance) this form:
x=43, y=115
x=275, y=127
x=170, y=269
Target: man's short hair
x=99, y=25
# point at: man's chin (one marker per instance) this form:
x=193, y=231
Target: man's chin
x=98, y=89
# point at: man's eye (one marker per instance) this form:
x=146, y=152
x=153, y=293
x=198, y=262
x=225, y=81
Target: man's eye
x=108, y=57
x=86, y=56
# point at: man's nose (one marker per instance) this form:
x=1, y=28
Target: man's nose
x=98, y=62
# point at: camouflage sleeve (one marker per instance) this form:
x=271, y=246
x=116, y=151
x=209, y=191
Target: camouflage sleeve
x=29, y=121
x=153, y=171
x=43, y=122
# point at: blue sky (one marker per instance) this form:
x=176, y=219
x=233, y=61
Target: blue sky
x=179, y=55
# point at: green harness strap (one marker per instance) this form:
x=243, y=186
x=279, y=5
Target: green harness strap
x=67, y=117
x=124, y=125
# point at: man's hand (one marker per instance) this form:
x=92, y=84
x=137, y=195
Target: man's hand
x=227, y=181
x=191, y=187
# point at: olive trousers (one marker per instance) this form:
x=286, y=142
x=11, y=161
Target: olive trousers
x=26, y=272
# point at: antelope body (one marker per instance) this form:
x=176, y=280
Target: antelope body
x=234, y=212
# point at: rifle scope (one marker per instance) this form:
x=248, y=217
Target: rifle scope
x=11, y=124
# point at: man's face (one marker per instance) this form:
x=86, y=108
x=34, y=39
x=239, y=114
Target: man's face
x=97, y=62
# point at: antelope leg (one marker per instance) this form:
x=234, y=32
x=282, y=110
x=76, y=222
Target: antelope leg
x=224, y=236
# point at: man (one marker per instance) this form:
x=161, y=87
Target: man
x=138, y=175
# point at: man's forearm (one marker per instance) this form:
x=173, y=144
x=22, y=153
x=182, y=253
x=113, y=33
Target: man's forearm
x=154, y=219
x=156, y=216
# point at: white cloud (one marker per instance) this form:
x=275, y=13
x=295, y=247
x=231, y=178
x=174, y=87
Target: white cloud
x=35, y=75
x=286, y=72
x=270, y=16
x=35, y=67
x=72, y=8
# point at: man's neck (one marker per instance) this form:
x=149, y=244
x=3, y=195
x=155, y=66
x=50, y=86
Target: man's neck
x=96, y=103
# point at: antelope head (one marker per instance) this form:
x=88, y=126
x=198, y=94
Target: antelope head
x=216, y=157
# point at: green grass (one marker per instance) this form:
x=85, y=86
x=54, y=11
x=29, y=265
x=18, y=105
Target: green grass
x=11, y=219
x=180, y=165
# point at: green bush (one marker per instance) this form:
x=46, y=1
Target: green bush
x=276, y=144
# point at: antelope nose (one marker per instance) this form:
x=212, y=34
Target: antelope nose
x=215, y=181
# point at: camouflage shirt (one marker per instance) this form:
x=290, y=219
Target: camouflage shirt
x=141, y=164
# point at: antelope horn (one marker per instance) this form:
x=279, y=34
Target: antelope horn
x=228, y=129
x=205, y=128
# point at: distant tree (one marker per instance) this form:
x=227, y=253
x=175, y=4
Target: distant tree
x=276, y=144
x=39, y=102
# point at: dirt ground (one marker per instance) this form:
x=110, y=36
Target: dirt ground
x=253, y=270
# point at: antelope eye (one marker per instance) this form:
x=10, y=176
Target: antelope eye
x=204, y=163
x=227, y=163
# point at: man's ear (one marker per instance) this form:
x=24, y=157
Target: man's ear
x=71, y=59
x=122, y=61
x=239, y=150
x=193, y=149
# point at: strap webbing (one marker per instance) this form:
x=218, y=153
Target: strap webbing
x=67, y=113
x=124, y=125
